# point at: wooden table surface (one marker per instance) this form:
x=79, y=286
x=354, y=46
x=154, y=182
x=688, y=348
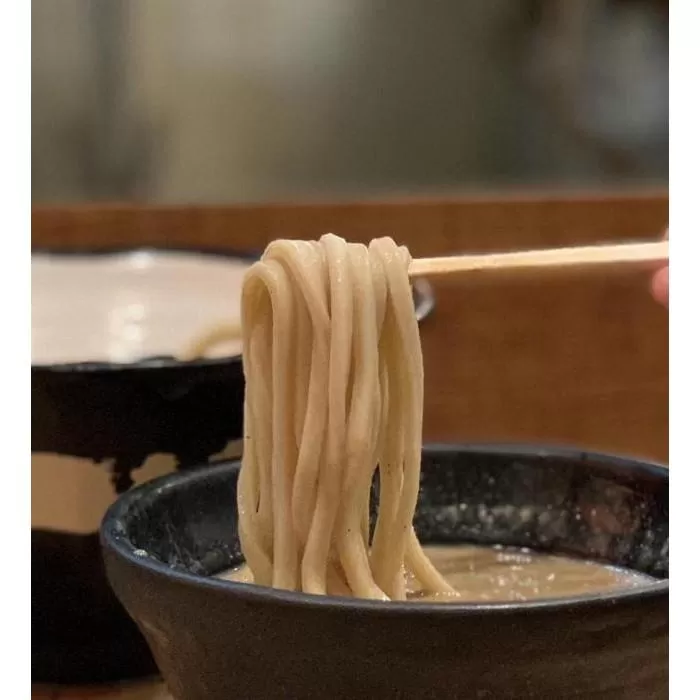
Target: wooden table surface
x=575, y=358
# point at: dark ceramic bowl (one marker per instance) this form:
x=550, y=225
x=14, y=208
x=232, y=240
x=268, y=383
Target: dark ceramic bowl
x=217, y=640
x=99, y=426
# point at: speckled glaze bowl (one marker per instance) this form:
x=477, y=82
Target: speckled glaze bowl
x=217, y=640
x=111, y=407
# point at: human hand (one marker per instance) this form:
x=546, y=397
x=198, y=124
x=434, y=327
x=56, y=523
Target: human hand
x=659, y=283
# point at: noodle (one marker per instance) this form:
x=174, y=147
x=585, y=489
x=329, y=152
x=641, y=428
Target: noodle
x=203, y=344
x=334, y=388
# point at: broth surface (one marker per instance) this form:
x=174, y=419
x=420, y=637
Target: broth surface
x=498, y=574
x=123, y=307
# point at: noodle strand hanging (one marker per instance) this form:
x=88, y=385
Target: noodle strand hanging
x=334, y=392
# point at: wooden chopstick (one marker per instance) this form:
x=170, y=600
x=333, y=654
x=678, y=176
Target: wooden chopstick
x=596, y=255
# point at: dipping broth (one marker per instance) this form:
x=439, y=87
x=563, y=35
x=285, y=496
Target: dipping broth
x=501, y=574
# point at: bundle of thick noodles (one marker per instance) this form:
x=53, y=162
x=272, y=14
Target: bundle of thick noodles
x=334, y=390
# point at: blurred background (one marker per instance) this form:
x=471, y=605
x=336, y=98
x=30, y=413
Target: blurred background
x=179, y=101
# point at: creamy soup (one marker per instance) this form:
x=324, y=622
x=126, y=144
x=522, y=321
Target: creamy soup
x=497, y=574
x=123, y=307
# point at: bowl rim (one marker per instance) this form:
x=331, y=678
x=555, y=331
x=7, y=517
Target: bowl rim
x=424, y=308
x=117, y=545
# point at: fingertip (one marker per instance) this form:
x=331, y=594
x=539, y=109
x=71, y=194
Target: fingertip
x=659, y=286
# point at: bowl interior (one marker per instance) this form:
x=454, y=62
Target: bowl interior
x=121, y=307
x=557, y=501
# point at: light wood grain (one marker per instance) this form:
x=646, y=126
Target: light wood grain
x=545, y=259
